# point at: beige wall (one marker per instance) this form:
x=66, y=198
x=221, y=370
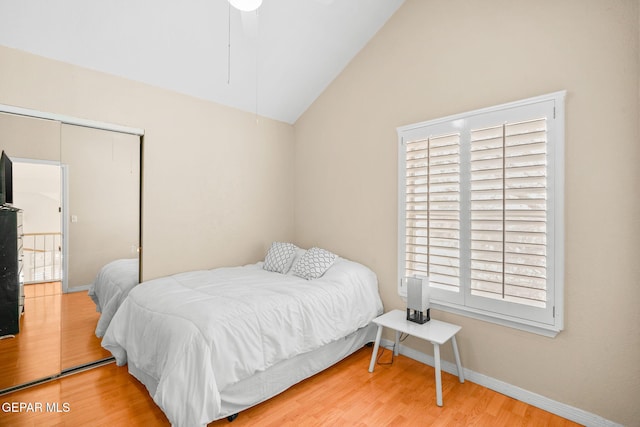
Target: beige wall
x=440, y=57
x=218, y=184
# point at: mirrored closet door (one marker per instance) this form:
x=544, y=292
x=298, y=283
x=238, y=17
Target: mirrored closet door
x=78, y=190
x=101, y=224
x=33, y=351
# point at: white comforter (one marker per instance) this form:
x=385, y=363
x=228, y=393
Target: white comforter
x=111, y=286
x=196, y=333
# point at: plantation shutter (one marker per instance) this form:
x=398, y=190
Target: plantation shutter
x=481, y=211
x=432, y=209
x=509, y=211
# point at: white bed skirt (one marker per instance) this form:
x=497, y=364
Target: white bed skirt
x=266, y=384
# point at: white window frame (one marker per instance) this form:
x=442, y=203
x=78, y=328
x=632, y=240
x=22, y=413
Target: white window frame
x=546, y=321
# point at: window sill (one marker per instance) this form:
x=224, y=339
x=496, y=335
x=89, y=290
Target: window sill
x=527, y=326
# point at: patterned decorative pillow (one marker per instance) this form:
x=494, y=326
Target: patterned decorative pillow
x=279, y=257
x=314, y=263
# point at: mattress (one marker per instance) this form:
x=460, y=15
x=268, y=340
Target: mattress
x=110, y=287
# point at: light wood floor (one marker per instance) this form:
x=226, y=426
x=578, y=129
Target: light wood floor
x=402, y=394
x=34, y=352
x=56, y=333
x=78, y=341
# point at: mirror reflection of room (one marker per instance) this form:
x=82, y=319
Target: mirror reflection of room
x=32, y=352
x=76, y=196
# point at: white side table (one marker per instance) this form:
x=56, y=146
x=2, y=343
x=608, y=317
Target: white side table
x=434, y=331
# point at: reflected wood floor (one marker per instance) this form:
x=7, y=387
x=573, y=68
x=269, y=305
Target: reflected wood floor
x=34, y=352
x=78, y=339
x=401, y=394
x=56, y=332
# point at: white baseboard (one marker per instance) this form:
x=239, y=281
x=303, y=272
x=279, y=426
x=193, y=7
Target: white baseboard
x=565, y=411
x=78, y=289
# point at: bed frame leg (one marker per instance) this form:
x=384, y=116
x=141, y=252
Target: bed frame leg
x=231, y=418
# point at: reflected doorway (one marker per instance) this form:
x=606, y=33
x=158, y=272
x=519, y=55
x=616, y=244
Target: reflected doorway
x=37, y=189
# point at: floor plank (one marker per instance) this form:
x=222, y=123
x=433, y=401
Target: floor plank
x=401, y=394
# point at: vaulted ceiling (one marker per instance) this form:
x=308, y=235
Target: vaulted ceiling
x=275, y=61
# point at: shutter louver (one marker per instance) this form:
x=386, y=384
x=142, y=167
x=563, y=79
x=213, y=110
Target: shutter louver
x=509, y=211
x=432, y=208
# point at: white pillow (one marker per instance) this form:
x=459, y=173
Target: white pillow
x=314, y=263
x=280, y=257
x=299, y=253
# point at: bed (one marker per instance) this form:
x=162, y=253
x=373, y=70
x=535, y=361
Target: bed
x=110, y=287
x=208, y=344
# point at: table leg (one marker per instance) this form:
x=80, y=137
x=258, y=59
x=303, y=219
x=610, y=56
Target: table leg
x=457, y=355
x=396, y=347
x=436, y=357
x=376, y=346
